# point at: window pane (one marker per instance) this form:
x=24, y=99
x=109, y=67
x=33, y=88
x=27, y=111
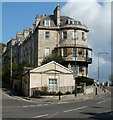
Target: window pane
x=74, y=52
x=65, y=52
x=47, y=35
x=75, y=35
x=47, y=51
x=64, y=35
x=53, y=85
x=83, y=36
x=47, y=22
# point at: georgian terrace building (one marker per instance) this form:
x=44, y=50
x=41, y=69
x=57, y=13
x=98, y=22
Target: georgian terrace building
x=49, y=34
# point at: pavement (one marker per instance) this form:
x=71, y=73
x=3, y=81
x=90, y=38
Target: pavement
x=70, y=98
x=63, y=98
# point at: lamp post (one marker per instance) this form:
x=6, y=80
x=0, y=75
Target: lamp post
x=98, y=64
x=11, y=78
x=75, y=53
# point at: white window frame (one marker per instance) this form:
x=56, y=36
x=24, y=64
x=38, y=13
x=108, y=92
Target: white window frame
x=64, y=35
x=46, y=22
x=75, y=35
x=52, y=85
x=65, y=54
x=47, y=52
x=70, y=20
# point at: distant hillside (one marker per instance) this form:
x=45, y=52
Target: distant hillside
x=2, y=47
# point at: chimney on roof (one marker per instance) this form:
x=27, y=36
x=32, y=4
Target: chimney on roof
x=19, y=36
x=33, y=26
x=26, y=31
x=57, y=15
x=37, y=20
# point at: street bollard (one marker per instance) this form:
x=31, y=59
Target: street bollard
x=96, y=91
x=75, y=90
x=59, y=95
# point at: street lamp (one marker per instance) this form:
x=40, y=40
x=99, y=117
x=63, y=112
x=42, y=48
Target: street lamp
x=75, y=53
x=98, y=63
x=11, y=73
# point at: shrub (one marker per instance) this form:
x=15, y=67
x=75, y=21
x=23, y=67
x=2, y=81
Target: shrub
x=52, y=93
x=36, y=93
x=60, y=93
x=53, y=57
x=44, y=90
x=82, y=79
x=67, y=93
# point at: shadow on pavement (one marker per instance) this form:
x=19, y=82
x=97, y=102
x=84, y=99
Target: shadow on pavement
x=9, y=91
x=100, y=116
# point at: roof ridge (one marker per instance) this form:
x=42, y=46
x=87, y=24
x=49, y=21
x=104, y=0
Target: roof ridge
x=50, y=63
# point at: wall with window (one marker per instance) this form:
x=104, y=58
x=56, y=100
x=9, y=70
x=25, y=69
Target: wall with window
x=71, y=52
x=47, y=39
x=72, y=37
x=62, y=82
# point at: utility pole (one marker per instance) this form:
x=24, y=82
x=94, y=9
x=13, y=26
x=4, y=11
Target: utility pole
x=98, y=64
x=11, y=74
x=75, y=73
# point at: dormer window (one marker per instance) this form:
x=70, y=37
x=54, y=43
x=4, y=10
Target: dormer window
x=46, y=22
x=73, y=22
x=70, y=21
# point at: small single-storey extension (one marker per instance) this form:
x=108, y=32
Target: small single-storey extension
x=51, y=75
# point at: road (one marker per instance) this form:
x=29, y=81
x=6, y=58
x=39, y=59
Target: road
x=94, y=108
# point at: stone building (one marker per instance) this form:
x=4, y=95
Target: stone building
x=49, y=34
x=52, y=76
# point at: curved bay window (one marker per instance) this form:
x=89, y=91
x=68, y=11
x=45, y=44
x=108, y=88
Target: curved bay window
x=69, y=53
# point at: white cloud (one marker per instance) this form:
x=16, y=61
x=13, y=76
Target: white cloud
x=97, y=17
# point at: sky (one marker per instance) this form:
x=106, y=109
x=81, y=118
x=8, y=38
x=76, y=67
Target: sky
x=95, y=15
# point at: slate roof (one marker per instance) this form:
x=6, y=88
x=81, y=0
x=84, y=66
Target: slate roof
x=63, y=20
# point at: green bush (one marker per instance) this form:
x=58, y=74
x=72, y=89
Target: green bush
x=81, y=80
x=53, y=57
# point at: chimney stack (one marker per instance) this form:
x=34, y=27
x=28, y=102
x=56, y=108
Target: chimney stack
x=37, y=20
x=19, y=36
x=57, y=15
x=26, y=32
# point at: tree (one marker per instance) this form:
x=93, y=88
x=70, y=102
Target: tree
x=17, y=70
x=53, y=57
x=82, y=79
x=17, y=74
x=6, y=72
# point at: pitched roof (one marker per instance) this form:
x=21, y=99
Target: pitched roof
x=63, y=20
x=52, y=62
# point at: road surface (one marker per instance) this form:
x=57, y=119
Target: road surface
x=94, y=108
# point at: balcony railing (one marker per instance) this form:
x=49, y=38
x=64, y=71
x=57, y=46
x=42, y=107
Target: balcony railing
x=79, y=58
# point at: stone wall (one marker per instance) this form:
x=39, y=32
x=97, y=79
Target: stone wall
x=89, y=89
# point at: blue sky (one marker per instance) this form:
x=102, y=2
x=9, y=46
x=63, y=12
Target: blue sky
x=18, y=15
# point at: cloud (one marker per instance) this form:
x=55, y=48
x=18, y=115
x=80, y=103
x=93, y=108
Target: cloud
x=97, y=17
